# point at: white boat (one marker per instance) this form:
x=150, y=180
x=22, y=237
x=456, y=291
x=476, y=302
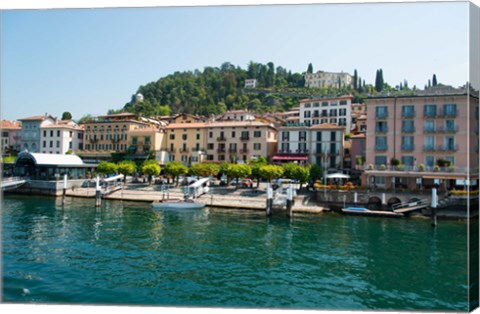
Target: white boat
x=177, y=204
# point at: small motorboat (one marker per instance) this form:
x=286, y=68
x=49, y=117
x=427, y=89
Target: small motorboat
x=361, y=211
x=177, y=204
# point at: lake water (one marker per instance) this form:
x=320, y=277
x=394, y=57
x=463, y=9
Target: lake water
x=126, y=253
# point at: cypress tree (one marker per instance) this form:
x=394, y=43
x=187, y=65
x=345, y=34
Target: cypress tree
x=310, y=68
x=355, y=79
x=434, y=80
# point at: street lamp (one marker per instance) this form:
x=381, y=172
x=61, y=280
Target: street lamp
x=325, y=160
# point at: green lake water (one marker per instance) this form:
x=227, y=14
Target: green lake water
x=127, y=253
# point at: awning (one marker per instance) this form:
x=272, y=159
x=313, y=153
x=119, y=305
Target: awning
x=290, y=157
x=338, y=176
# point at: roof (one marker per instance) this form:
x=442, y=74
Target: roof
x=147, y=129
x=52, y=159
x=327, y=126
x=123, y=114
x=326, y=98
x=186, y=125
x=36, y=118
x=291, y=157
x=6, y=124
x=235, y=123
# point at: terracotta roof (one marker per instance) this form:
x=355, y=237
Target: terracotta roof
x=359, y=135
x=147, y=129
x=123, y=114
x=186, y=125
x=62, y=126
x=327, y=126
x=326, y=98
x=6, y=124
x=234, y=123
x=34, y=118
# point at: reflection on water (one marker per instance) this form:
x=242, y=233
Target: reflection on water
x=127, y=253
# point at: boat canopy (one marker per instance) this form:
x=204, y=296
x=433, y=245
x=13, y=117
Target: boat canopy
x=338, y=176
x=114, y=178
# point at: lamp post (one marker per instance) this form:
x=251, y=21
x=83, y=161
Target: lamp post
x=325, y=160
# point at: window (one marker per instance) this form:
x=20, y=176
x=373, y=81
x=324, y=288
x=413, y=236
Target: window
x=429, y=161
x=325, y=104
x=210, y=146
x=381, y=112
x=172, y=136
x=333, y=112
x=429, y=126
x=450, y=110
x=429, y=144
x=450, y=126
x=51, y=143
x=51, y=133
x=307, y=105
x=408, y=111
x=285, y=147
x=408, y=126
x=44, y=144
x=319, y=136
x=134, y=140
x=342, y=112
x=407, y=143
x=307, y=114
x=44, y=133
x=198, y=136
x=381, y=143
x=58, y=133
x=257, y=133
x=333, y=136
x=381, y=127
x=449, y=143
x=257, y=146
x=380, y=160
x=302, y=135
x=184, y=137
x=233, y=134
x=147, y=140
x=343, y=102
x=210, y=134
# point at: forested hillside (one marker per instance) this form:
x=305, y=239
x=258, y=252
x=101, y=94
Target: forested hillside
x=216, y=90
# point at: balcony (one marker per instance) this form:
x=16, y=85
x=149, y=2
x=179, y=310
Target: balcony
x=221, y=139
x=172, y=150
x=381, y=115
x=450, y=129
x=244, y=151
x=450, y=148
x=184, y=150
x=244, y=138
x=408, y=114
x=408, y=148
x=430, y=114
x=383, y=129
x=232, y=150
x=221, y=150
x=450, y=113
x=429, y=148
x=408, y=130
x=429, y=130
x=381, y=148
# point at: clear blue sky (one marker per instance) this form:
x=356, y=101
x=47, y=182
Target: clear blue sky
x=87, y=61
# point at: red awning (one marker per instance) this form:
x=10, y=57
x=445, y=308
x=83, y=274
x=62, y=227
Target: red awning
x=291, y=157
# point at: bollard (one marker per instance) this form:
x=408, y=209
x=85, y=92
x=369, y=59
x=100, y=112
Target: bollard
x=64, y=188
x=269, y=200
x=434, y=207
x=289, y=200
x=98, y=193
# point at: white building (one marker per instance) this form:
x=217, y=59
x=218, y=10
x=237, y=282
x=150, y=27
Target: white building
x=237, y=115
x=336, y=110
x=61, y=137
x=328, y=79
x=250, y=83
x=31, y=131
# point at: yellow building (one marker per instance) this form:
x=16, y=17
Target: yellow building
x=143, y=141
x=185, y=142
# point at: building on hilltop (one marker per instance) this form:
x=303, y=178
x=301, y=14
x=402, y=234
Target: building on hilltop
x=328, y=79
x=237, y=115
x=424, y=139
x=11, y=137
x=250, y=83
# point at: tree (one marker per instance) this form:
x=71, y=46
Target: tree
x=268, y=172
x=175, y=169
x=355, y=80
x=66, y=116
x=204, y=169
x=379, y=83
x=126, y=168
x=85, y=119
x=151, y=168
x=256, y=165
x=310, y=68
x=316, y=172
x=296, y=172
x=434, y=80
x=238, y=171
x=107, y=168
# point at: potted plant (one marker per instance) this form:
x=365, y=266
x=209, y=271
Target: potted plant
x=421, y=167
x=382, y=167
x=401, y=167
x=436, y=168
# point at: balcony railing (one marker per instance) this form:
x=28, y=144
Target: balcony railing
x=243, y=150
x=381, y=115
x=430, y=114
x=440, y=148
x=381, y=148
x=244, y=138
x=184, y=150
x=172, y=150
x=450, y=129
x=221, y=139
x=408, y=148
x=381, y=129
x=232, y=150
x=415, y=168
x=221, y=150
x=429, y=130
x=408, y=114
x=408, y=129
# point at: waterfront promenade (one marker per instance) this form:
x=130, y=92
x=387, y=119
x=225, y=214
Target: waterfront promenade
x=226, y=197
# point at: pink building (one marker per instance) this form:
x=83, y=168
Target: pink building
x=11, y=136
x=423, y=139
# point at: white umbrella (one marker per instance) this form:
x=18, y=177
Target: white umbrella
x=338, y=176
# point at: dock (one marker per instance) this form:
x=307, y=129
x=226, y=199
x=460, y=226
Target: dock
x=371, y=213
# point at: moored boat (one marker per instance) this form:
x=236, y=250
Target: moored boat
x=177, y=204
x=361, y=211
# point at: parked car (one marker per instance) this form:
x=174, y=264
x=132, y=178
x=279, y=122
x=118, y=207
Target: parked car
x=244, y=183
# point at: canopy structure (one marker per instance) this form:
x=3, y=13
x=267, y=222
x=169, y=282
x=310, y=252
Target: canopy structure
x=114, y=178
x=338, y=176
x=290, y=157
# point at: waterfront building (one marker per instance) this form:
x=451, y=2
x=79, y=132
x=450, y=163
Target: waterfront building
x=185, y=142
x=323, y=79
x=109, y=134
x=321, y=144
x=332, y=110
x=239, y=141
x=30, y=136
x=146, y=141
x=422, y=139
x=186, y=118
x=327, y=146
x=10, y=141
x=61, y=137
x=360, y=125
